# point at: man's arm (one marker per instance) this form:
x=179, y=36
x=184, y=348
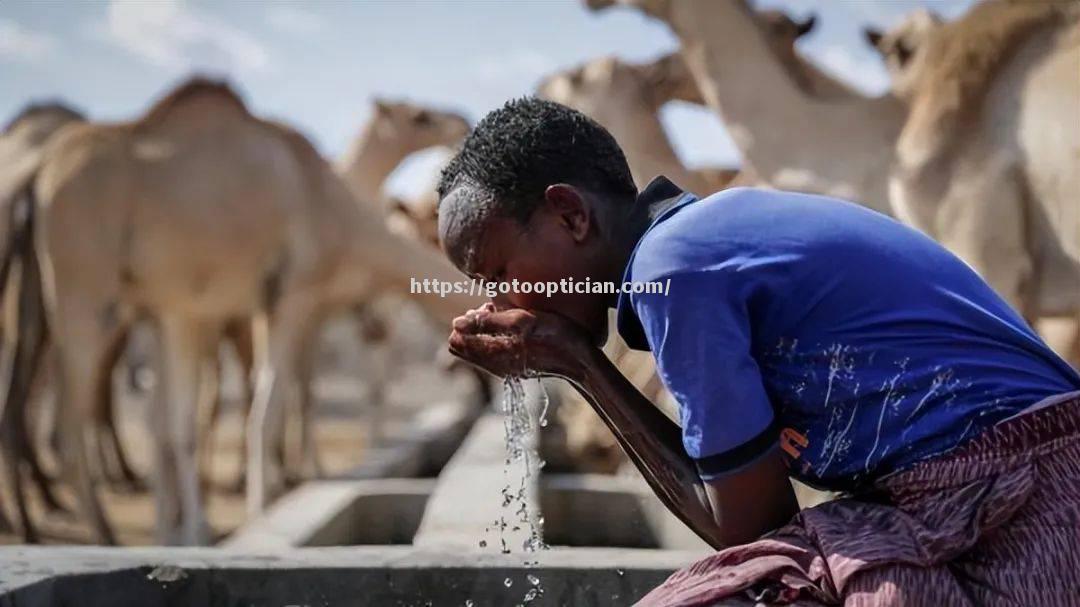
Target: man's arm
x=734, y=509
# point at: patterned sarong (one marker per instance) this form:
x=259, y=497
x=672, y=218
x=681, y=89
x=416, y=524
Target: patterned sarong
x=995, y=521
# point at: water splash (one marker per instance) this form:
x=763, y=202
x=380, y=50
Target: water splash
x=520, y=433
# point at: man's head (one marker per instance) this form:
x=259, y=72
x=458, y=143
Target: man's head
x=540, y=192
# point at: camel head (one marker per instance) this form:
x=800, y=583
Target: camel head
x=904, y=49
x=606, y=89
x=417, y=221
x=415, y=127
x=669, y=79
x=783, y=30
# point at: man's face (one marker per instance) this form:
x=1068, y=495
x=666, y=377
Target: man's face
x=556, y=243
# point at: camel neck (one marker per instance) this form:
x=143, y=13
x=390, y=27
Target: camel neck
x=648, y=149
x=792, y=139
x=369, y=162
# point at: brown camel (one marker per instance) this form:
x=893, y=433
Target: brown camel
x=152, y=242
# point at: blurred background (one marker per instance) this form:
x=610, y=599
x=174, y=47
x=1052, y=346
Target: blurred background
x=318, y=64
x=360, y=387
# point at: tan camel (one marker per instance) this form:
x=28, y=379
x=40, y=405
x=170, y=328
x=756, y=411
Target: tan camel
x=22, y=142
x=154, y=242
x=838, y=144
x=392, y=131
x=988, y=162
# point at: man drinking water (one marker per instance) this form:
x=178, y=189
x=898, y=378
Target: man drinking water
x=803, y=337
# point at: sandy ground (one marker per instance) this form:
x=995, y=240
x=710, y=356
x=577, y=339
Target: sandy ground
x=343, y=432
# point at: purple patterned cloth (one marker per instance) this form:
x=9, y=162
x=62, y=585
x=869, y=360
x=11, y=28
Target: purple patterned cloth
x=995, y=521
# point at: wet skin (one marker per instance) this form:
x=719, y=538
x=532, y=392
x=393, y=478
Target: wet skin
x=560, y=336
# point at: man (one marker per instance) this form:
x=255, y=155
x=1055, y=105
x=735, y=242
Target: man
x=802, y=336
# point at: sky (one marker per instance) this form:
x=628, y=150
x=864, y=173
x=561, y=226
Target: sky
x=319, y=64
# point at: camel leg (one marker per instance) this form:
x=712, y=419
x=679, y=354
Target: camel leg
x=310, y=466
x=374, y=333
x=41, y=479
x=276, y=385
x=24, y=338
x=28, y=340
x=5, y=522
x=83, y=343
x=13, y=427
x=212, y=398
x=240, y=334
x=186, y=345
x=109, y=444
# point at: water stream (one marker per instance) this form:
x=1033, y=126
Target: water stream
x=522, y=457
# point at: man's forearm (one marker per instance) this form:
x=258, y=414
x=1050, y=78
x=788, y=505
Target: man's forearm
x=652, y=441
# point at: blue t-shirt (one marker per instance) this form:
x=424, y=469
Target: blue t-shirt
x=854, y=343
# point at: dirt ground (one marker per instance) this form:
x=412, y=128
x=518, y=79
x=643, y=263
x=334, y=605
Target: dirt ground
x=343, y=431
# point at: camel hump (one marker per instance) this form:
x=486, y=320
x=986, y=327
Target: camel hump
x=55, y=110
x=198, y=88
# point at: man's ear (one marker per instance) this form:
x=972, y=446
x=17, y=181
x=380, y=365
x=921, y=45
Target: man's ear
x=569, y=206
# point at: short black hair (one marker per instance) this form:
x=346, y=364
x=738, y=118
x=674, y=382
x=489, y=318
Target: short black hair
x=520, y=149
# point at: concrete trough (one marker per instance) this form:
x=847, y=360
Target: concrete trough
x=432, y=438
x=339, y=513
x=327, y=577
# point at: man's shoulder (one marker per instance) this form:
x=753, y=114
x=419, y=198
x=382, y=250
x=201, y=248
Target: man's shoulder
x=695, y=235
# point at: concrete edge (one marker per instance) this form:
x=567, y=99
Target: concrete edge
x=26, y=565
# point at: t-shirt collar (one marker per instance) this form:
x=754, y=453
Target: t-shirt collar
x=659, y=189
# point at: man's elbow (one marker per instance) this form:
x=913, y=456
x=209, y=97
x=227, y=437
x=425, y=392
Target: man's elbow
x=736, y=533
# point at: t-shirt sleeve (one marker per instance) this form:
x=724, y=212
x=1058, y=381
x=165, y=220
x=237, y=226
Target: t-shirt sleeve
x=699, y=333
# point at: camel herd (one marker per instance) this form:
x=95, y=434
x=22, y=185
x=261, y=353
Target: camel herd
x=200, y=222
x=194, y=217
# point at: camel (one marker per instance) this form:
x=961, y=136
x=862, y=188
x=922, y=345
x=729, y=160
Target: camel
x=22, y=142
x=392, y=132
x=988, y=162
x=152, y=243
x=836, y=143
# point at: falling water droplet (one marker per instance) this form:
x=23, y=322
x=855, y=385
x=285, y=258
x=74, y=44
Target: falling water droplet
x=535, y=581
x=508, y=582
x=483, y=543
